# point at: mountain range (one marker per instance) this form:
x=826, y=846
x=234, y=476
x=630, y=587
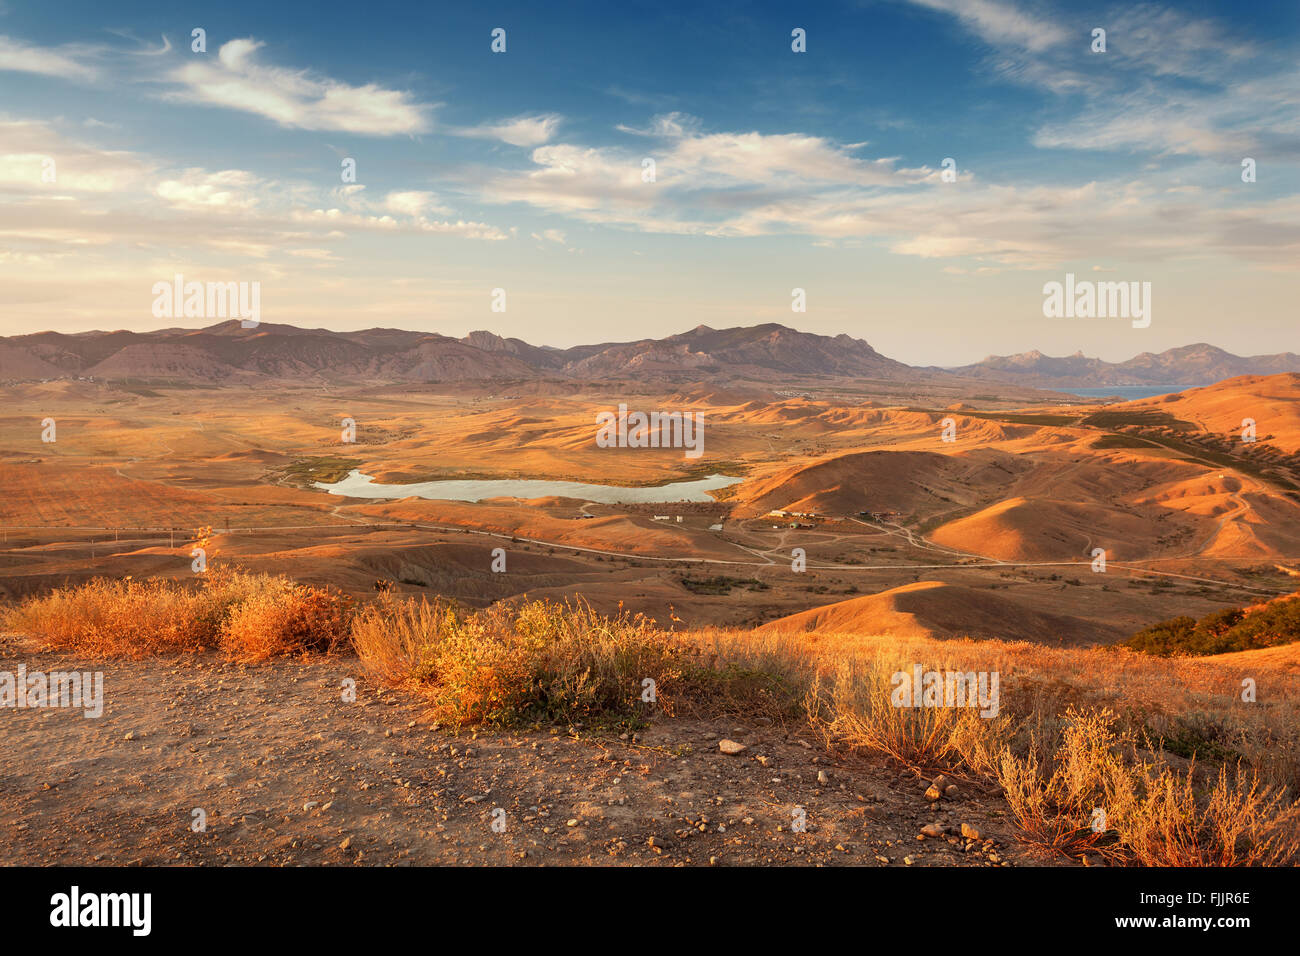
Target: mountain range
x=228, y=353
x=1184, y=367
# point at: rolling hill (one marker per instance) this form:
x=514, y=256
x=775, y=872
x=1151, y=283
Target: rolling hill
x=935, y=609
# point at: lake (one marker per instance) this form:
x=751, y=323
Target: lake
x=1126, y=392
x=357, y=485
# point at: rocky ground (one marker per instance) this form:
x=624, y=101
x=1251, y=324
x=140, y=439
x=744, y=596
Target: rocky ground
x=285, y=771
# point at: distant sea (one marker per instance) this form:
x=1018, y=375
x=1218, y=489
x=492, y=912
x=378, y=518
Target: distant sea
x=1126, y=392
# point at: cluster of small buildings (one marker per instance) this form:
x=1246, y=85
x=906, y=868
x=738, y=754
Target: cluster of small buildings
x=793, y=514
x=713, y=527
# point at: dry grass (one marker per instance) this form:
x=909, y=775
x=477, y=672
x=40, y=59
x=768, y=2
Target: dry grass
x=851, y=704
x=1186, y=772
x=1100, y=791
x=286, y=618
x=251, y=617
x=511, y=663
x=116, y=619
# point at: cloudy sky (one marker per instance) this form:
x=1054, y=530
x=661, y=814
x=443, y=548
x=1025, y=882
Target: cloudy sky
x=523, y=170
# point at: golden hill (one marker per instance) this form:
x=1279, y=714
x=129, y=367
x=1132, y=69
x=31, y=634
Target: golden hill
x=937, y=610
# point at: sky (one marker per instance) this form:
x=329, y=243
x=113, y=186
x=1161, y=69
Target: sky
x=127, y=157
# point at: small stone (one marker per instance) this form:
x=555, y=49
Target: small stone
x=731, y=747
x=572, y=823
x=347, y=842
x=950, y=791
x=882, y=859
x=932, y=830
x=907, y=860
x=130, y=735
x=970, y=832
x=822, y=777
x=309, y=805
x=934, y=793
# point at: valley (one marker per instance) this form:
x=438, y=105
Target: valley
x=992, y=534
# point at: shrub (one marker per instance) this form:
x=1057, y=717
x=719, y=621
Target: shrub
x=1232, y=629
x=1153, y=814
x=252, y=616
x=124, y=618
x=511, y=663
x=284, y=619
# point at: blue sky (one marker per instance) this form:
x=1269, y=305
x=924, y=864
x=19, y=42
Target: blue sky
x=522, y=170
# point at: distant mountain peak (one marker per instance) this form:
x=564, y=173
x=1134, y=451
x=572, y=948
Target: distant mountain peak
x=1183, y=367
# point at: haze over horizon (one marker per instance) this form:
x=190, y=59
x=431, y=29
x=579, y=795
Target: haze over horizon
x=775, y=170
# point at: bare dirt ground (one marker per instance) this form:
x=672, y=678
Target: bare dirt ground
x=287, y=773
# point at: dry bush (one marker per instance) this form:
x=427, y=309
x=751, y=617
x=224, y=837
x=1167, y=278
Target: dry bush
x=104, y=618
x=1154, y=815
x=253, y=616
x=747, y=674
x=851, y=705
x=1077, y=729
x=286, y=618
x=506, y=664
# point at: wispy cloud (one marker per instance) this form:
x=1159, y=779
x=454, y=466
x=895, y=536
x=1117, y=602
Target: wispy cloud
x=520, y=131
x=69, y=61
x=299, y=99
x=1002, y=23
x=702, y=180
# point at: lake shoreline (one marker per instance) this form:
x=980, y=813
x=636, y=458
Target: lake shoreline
x=358, y=485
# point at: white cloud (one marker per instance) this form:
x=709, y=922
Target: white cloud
x=197, y=188
x=1001, y=23
x=414, y=203
x=66, y=61
x=323, y=255
x=297, y=98
x=715, y=176
x=26, y=145
x=520, y=131
x=338, y=218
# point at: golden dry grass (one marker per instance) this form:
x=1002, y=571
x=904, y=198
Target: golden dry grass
x=1185, y=770
x=251, y=617
x=520, y=662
